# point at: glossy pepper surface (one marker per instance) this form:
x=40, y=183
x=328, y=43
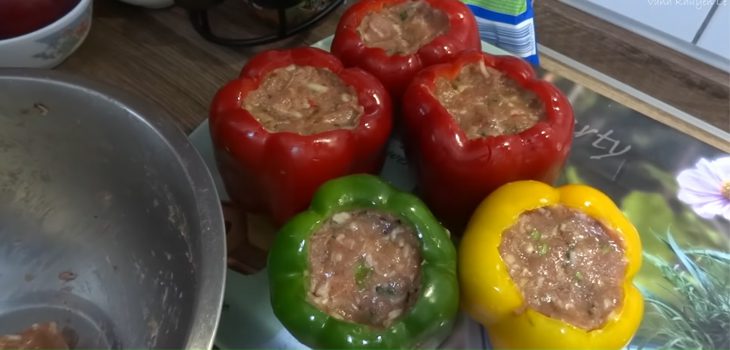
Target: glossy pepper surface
x=456, y=173
x=396, y=71
x=491, y=297
x=276, y=173
x=426, y=324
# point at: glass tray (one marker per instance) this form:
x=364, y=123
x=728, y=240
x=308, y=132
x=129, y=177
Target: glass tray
x=632, y=158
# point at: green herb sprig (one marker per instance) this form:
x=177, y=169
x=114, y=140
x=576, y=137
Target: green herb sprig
x=702, y=283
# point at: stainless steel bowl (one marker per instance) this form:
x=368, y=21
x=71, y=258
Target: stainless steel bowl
x=110, y=224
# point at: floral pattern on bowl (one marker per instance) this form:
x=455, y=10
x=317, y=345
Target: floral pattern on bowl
x=63, y=42
x=51, y=45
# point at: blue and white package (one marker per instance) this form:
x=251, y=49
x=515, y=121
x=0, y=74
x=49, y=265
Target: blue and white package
x=507, y=24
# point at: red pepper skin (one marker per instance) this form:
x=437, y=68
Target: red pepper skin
x=455, y=174
x=277, y=173
x=396, y=71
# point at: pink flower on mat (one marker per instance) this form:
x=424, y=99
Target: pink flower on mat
x=706, y=187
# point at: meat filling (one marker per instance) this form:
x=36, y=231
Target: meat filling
x=486, y=102
x=566, y=264
x=365, y=267
x=38, y=336
x=304, y=100
x=403, y=28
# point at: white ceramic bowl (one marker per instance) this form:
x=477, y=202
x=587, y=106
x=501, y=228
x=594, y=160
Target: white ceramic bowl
x=47, y=47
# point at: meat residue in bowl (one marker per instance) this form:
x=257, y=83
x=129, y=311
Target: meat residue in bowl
x=38, y=336
x=67, y=276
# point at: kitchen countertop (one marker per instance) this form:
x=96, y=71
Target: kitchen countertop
x=158, y=55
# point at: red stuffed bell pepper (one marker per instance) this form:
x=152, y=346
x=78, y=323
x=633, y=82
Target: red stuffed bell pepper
x=392, y=52
x=276, y=172
x=479, y=122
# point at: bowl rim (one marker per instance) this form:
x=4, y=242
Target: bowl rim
x=75, y=12
x=211, y=281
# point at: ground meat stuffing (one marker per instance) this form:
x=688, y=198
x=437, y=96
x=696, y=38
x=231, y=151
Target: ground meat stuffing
x=486, y=102
x=566, y=264
x=38, y=336
x=304, y=100
x=365, y=267
x=403, y=28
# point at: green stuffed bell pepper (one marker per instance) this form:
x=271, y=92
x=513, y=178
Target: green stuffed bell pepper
x=366, y=266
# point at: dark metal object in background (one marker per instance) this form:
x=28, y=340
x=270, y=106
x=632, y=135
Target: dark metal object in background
x=705, y=22
x=198, y=10
x=110, y=224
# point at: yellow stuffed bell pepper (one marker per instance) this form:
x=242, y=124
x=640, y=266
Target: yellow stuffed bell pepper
x=491, y=297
